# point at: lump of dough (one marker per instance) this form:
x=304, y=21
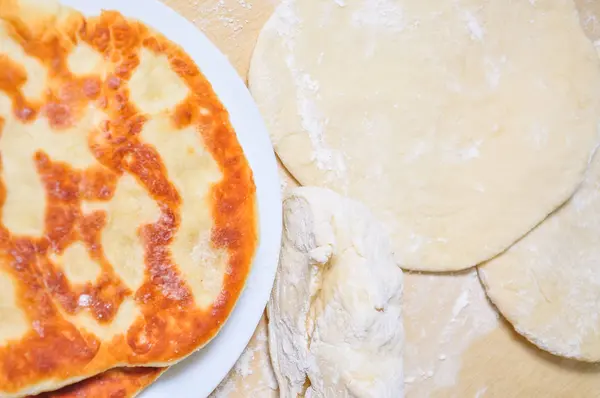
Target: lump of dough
x=461, y=123
x=335, y=323
x=548, y=284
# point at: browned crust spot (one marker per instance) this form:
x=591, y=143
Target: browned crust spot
x=115, y=383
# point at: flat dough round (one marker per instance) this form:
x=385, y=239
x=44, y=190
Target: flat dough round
x=335, y=319
x=548, y=284
x=461, y=123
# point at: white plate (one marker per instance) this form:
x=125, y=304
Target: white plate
x=198, y=375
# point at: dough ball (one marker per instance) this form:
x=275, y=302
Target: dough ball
x=335, y=322
x=548, y=284
x=461, y=123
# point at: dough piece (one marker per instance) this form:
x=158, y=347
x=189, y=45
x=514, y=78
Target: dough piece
x=462, y=123
x=455, y=346
x=548, y=284
x=335, y=323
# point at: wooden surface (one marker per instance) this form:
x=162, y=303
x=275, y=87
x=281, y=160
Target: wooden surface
x=457, y=346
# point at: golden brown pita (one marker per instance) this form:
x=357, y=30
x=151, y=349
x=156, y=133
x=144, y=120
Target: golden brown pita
x=128, y=220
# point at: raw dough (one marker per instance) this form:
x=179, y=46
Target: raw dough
x=455, y=346
x=548, y=284
x=462, y=123
x=335, y=323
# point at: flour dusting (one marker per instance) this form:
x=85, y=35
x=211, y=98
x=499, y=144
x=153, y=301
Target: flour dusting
x=230, y=14
x=307, y=95
x=547, y=284
x=470, y=152
x=443, y=316
x=252, y=376
x=378, y=14
x=461, y=302
x=283, y=184
x=474, y=26
x=84, y=300
x=493, y=71
x=480, y=393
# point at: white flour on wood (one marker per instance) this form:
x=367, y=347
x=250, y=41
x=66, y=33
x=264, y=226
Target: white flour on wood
x=252, y=375
x=443, y=316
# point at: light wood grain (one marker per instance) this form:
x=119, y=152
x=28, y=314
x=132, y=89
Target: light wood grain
x=498, y=363
x=233, y=25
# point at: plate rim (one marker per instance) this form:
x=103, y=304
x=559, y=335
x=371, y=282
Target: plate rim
x=217, y=358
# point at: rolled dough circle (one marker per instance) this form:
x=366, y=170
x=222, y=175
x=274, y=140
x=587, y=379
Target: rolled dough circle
x=548, y=284
x=462, y=124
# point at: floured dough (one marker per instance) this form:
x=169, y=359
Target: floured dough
x=335, y=323
x=455, y=346
x=462, y=123
x=548, y=284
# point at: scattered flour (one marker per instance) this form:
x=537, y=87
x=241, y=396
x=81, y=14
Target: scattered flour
x=252, y=375
x=231, y=14
x=461, y=302
x=474, y=26
x=307, y=93
x=470, y=152
x=283, y=184
x=493, y=71
x=379, y=13
x=443, y=316
x=84, y=300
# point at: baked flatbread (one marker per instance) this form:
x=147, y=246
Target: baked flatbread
x=119, y=382
x=128, y=219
